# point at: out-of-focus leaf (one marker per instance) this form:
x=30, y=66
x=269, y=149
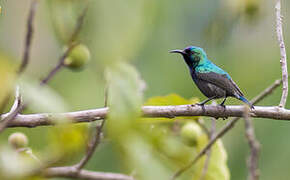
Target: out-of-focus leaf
x=66, y=140
x=171, y=99
x=64, y=15
x=125, y=98
x=249, y=8
x=41, y=98
x=14, y=165
x=140, y=155
x=217, y=169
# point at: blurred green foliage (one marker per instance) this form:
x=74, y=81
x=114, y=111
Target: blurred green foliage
x=129, y=41
x=7, y=77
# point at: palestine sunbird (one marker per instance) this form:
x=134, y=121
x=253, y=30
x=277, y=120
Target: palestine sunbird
x=210, y=79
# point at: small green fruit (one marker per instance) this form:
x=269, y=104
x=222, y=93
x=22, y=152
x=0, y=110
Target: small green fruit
x=78, y=57
x=18, y=140
x=190, y=132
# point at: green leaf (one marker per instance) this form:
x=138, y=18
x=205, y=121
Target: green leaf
x=169, y=100
x=66, y=141
x=140, y=155
x=217, y=169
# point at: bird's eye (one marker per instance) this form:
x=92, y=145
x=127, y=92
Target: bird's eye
x=187, y=51
x=196, y=58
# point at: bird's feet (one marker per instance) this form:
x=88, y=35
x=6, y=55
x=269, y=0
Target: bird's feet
x=222, y=105
x=199, y=104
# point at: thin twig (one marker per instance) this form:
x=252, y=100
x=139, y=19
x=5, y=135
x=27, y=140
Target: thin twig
x=226, y=128
x=79, y=24
x=29, y=35
x=96, y=139
x=252, y=162
x=283, y=59
x=208, y=153
x=59, y=65
x=71, y=45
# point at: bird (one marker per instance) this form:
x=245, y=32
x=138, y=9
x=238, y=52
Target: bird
x=210, y=79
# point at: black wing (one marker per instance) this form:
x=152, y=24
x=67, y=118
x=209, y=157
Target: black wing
x=222, y=81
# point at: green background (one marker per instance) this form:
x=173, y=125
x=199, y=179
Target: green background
x=242, y=42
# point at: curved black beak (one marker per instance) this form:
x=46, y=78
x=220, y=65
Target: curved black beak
x=177, y=51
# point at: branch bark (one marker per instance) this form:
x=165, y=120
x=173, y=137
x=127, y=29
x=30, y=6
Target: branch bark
x=72, y=172
x=45, y=119
x=283, y=60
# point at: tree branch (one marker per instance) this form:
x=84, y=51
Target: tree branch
x=45, y=119
x=71, y=44
x=79, y=24
x=283, y=60
x=72, y=172
x=252, y=162
x=59, y=65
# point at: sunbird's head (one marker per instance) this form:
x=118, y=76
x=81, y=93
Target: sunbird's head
x=192, y=55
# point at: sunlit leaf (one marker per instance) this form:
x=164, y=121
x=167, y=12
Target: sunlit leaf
x=171, y=99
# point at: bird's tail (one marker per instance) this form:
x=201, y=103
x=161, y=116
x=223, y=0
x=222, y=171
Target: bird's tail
x=246, y=101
